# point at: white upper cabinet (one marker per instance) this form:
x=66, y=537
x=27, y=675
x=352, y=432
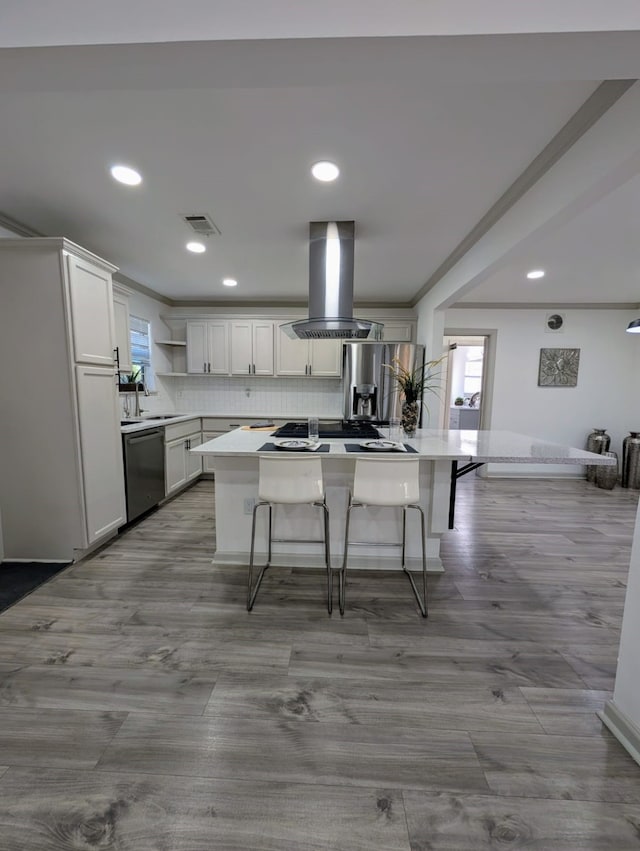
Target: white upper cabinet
x=252, y=347
x=208, y=347
x=91, y=312
x=121, y=327
x=325, y=358
x=322, y=358
x=398, y=331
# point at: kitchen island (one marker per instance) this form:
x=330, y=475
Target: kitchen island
x=236, y=454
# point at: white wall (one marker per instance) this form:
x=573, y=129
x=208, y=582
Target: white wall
x=607, y=389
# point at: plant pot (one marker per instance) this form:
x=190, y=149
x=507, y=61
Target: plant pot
x=410, y=412
x=130, y=387
x=459, y=403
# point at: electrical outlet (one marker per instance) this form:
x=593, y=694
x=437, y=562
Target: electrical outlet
x=249, y=502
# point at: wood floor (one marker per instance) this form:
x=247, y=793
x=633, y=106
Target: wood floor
x=143, y=709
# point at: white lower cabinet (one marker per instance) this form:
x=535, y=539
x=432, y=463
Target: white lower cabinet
x=208, y=463
x=180, y=466
x=101, y=450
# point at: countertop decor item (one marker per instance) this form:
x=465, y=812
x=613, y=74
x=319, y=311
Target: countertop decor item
x=413, y=386
x=558, y=367
x=631, y=461
x=598, y=441
x=458, y=401
x=606, y=477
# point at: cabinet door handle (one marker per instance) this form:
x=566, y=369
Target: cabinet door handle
x=187, y=444
x=208, y=367
x=254, y=369
x=249, y=369
x=309, y=369
x=204, y=366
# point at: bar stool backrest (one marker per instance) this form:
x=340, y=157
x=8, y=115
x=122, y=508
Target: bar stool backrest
x=294, y=479
x=387, y=481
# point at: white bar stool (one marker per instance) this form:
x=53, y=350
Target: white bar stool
x=391, y=482
x=296, y=479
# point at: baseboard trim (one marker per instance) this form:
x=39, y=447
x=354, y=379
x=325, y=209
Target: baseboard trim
x=434, y=565
x=35, y=561
x=622, y=728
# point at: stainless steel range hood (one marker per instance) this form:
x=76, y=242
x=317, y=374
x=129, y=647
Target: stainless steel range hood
x=331, y=251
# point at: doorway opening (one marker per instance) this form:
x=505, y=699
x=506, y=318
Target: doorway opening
x=465, y=398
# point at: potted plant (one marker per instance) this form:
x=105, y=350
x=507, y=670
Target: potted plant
x=458, y=401
x=127, y=383
x=412, y=386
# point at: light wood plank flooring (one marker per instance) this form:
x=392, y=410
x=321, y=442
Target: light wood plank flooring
x=143, y=709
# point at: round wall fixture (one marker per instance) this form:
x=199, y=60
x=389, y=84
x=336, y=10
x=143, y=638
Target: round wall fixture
x=555, y=321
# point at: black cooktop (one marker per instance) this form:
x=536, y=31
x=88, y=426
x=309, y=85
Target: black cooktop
x=350, y=429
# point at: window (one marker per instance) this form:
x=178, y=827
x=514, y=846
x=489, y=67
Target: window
x=141, y=347
x=472, y=382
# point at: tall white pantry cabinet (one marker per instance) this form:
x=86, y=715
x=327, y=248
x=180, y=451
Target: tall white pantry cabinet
x=61, y=476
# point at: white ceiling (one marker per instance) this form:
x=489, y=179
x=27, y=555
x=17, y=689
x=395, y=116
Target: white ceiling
x=428, y=134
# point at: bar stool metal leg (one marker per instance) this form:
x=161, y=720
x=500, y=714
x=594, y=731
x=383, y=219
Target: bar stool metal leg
x=252, y=590
x=327, y=557
x=343, y=572
x=422, y=603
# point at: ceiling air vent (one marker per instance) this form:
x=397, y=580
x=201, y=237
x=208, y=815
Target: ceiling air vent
x=202, y=224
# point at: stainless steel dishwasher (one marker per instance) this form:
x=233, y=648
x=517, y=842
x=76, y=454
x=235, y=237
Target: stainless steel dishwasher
x=143, y=453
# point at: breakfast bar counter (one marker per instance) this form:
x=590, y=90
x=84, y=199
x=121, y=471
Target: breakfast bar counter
x=236, y=488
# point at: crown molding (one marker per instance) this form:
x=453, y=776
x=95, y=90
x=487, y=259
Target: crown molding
x=525, y=305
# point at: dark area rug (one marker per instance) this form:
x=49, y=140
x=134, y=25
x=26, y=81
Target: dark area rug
x=17, y=579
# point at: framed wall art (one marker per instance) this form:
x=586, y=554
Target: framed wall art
x=558, y=367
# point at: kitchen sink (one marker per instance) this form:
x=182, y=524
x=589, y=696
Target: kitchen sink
x=154, y=419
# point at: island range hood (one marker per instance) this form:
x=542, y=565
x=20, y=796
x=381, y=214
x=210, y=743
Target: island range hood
x=331, y=252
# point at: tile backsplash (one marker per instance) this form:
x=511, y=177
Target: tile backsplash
x=254, y=396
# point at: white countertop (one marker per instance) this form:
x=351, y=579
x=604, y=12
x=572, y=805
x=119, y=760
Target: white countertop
x=453, y=445
x=152, y=421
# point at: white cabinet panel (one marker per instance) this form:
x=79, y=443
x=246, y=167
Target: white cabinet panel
x=121, y=330
x=193, y=462
x=209, y=463
x=325, y=358
x=180, y=466
x=398, y=332
x=175, y=471
x=322, y=358
x=262, y=339
x=241, y=348
x=101, y=450
x=91, y=312
x=251, y=347
x=218, y=344
x=292, y=356
x=208, y=347
x=197, y=347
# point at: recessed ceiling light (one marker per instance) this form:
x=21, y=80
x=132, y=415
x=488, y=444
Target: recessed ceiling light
x=196, y=247
x=126, y=175
x=325, y=171
x=229, y=282
x=535, y=273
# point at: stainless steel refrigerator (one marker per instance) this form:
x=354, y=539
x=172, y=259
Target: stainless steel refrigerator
x=370, y=392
